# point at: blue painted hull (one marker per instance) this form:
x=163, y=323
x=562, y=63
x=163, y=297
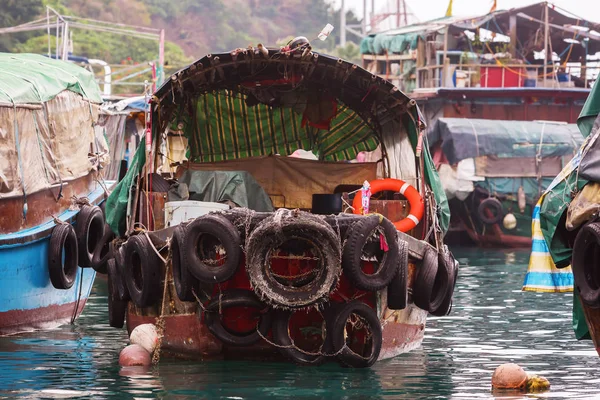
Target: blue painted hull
x=28, y=300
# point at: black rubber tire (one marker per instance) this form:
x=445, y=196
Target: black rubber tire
x=142, y=271
x=358, y=237
x=397, y=290
x=279, y=229
x=586, y=264
x=89, y=229
x=342, y=223
x=425, y=279
x=119, y=254
x=495, y=206
x=103, y=251
x=446, y=262
x=117, y=308
x=237, y=298
x=281, y=337
x=185, y=283
x=221, y=228
x=345, y=355
x=62, y=275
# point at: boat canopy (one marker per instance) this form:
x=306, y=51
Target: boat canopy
x=47, y=115
x=462, y=138
x=260, y=102
x=35, y=79
x=237, y=105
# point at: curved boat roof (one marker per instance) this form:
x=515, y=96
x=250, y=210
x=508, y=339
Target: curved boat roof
x=35, y=79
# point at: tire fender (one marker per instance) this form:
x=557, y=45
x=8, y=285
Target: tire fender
x=89, y=228
x=62, y=241
x=142, y=271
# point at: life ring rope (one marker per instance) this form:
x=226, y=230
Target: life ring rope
x=417, y=206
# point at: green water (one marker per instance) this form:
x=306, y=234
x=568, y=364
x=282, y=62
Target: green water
x=493, y=322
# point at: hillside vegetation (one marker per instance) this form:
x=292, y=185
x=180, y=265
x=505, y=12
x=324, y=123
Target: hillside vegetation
x=193, y=27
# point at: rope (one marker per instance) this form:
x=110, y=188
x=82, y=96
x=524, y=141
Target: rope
x=476, y=135
x=74, y=316
x=160, y=321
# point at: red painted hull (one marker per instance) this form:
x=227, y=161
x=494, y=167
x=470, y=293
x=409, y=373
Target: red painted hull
x=185, y=336
x=17, y=321
x=497, y=238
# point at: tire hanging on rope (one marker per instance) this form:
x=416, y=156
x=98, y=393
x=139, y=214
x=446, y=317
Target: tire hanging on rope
x=397, y=290
x=585, y=261
x=62, y=256
x=117, y=307
x=206, y=237
x=490, y=211
x=185, y=283
x=286, y=345
x=234, y=298
x=293, y=230
x=103, y=251
x=423, y=285
x=89, y=228
x=340, y=336
x=142, y=271
x=374, y=232
x=446, y=263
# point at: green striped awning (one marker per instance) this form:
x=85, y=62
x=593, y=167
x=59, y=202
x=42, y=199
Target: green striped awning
x=223, y=127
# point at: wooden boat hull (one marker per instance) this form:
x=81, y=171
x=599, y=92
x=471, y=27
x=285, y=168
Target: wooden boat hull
x=28, y=300
x=186, y=336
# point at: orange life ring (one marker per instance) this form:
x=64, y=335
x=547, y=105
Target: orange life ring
x=417, y=206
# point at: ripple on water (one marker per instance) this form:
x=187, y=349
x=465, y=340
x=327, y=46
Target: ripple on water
x=458, y=357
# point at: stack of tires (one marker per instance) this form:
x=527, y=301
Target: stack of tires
x=207, y=254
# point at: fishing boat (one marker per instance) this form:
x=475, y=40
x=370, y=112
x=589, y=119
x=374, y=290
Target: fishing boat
x=566, y=235
x=529, y=63
x=51, y=161
x=247, y=250
x=494, y=172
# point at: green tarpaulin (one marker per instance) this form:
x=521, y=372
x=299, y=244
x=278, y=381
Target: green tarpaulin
x=118, y=201
x=35, y=79
x=223, y=127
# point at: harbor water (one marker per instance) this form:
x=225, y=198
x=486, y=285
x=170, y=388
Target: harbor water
x=492, y=322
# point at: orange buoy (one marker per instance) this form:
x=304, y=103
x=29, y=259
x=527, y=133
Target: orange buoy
x=417, y=206
x=134, y=355
x=509, y=376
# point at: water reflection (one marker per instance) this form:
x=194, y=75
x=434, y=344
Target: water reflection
x=492, y=322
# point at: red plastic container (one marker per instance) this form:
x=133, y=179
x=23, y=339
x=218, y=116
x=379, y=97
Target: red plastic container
x=497, y=76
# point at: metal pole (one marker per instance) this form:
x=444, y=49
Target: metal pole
x=343, y=24
x=444, y=65
x=160, y=76
x=545, y=40
x=372, y=16
x=48, y=31
x=364, y=20
x=57, y=35
x=398, y=13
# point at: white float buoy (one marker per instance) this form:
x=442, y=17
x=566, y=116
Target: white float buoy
x=146, y=336
x=509, y=221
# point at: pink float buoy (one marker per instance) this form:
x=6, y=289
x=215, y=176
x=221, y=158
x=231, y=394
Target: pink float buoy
x=134, y=355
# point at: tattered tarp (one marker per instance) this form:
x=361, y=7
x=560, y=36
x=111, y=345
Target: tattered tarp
x=223, y=127
x=41, y=147
x=463, y=138
x=217, y=186
x=34, y=79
